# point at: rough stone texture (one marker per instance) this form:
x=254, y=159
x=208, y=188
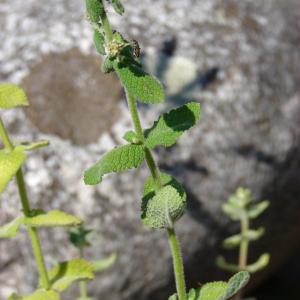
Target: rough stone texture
x=249, y=135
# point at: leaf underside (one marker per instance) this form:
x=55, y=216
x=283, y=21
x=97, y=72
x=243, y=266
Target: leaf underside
x=53, y=218
x=40, y=294
x=172, y=125
x=10, y=163
x=11, y=96
x=162, y=209
x=119, y=159
x=11, y=229
x=64, y=274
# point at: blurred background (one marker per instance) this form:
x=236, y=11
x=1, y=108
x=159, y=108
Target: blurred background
x=239, y=59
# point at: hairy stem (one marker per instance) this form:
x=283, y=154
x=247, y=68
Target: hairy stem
x=177, y=264
x=244, y=246
x=155, y=173
x=32, y=232
x=82, y=283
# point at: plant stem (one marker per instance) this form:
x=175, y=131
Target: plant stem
x=106, y=25
x=155, y=173
x=244, y=247
x=32, y=232
x=82, y=283
x=177, y=264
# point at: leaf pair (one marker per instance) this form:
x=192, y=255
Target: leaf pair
x=219, y=290
x=39, y=219
x=260, y=264
x=165, y=132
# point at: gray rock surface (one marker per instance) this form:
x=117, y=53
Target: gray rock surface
x=249, y=135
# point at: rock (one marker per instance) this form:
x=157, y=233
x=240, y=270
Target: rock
x=249, y=136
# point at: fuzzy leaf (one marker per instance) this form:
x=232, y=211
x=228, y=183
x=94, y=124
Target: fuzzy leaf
x=119, y=159
x=11, y=96
x=141, y=85
x=164, y=209
x=107, y=65
x=235, y=283
x=10, y=163
x=172, y=125
x=53, y=218
x=94, y=9
x=154, y=213
x=103, y=264
x=11, y=229
x=66, y=273
x=212, y=291
x=118, y=6
x=99, y=42
x=241, y=198
x=40, y=294
x=255, y=210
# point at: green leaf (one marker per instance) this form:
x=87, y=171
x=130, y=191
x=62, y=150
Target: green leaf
x=40, y=294
x=94, y=9
x=235, y=283
x=119, y=159
x=261, y=263
x=172, y=125
x=212, y=291
x=241, y=198
x=152, y=208
x=10, y=163
x=255, y=210
x=28, y=146
x=99, y=42
x=103, y=264
x=173, y=297
x=11, y=229
x=223, y=264
x=118, y=6
x=138, y=83
x=53, y=218
x=66, y=273
x=233, y=212
x=131, y=137
x=11, y=96
x=249, y=235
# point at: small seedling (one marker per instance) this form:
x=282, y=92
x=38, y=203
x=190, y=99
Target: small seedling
x=79, y=237
x=51, y=282
x=164, y=199
x=240, y=207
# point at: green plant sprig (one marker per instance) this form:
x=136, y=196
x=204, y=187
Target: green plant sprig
x=51, y=282
x=79, y=237
x=240, y=207
x=164, y=199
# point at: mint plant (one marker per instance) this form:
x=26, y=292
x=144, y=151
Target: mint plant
x=51, y=282
x=240, y=207
x=79, y=237
x=164, y=199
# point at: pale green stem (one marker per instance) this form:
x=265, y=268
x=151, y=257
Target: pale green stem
x=155, y=173
x=32, y=232
x=244, y=247
x=82, y=283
